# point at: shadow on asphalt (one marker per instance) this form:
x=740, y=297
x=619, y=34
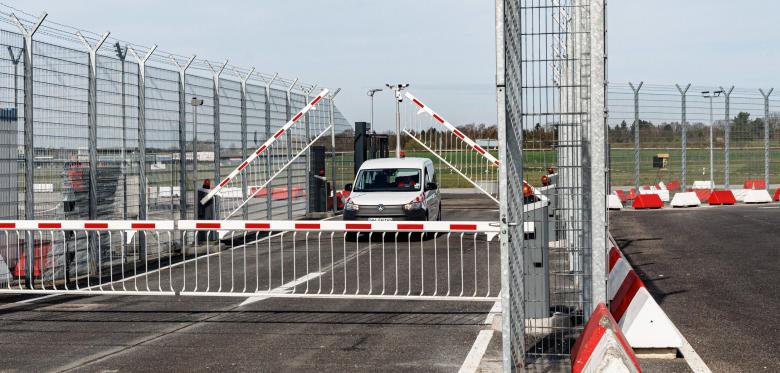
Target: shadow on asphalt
x=657, y=294
x=448, y=318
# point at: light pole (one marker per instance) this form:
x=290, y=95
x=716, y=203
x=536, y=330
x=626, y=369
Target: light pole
x=371, y=93
x=710, y=95
x=398, y=99
x=195, y=103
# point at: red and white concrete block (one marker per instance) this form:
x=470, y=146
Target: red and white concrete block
x=685, y=199
x=602, y=347
x=641, y=319
x=613, y=202
x=662, y=193
x=757, y=196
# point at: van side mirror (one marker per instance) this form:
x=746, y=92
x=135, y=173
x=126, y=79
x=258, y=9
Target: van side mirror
x=431, y=186
x=348, y=187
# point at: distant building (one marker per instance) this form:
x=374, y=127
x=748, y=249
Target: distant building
x=487, y=143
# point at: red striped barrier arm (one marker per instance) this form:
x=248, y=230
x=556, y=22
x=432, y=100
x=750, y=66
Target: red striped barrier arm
x=340, y=226
x=474, y=146
x=264, y=147
x=89, y=225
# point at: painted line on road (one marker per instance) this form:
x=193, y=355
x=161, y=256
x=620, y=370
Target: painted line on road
x=284, y=288
x=119, y=281
x=471, y=364
x=693, y=359
x=290, y=285
x=495, y=310
x=25, y=301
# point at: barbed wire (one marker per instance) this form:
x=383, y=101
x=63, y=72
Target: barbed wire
x=66, y=33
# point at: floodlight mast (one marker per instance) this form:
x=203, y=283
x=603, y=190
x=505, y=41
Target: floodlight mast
x=398, y=88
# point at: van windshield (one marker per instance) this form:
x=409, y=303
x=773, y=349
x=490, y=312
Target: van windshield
x=388, y=180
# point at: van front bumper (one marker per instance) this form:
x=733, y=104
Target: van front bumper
x=413, y=215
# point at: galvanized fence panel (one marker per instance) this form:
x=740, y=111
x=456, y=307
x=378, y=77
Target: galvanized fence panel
x=725, y=137
x=554, y=78
x=12, y=166
x=126, y=186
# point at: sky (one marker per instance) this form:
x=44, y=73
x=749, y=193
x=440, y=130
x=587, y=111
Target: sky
x=444, y=48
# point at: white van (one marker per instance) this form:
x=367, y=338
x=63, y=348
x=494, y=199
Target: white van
x=390, y=189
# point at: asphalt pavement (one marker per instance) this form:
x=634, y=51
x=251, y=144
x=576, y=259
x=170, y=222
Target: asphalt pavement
x=169, y=333
x=714, y=270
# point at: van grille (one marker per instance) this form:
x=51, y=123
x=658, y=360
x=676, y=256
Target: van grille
x=372, y=210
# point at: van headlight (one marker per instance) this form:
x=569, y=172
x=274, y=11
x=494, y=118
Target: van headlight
x=351, y=206
x=413, y=206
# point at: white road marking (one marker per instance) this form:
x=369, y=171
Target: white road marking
x=495, y=310
x=286, y=288
x=25, y=301
x=773, y=207
x=693, y=359
x=477, y=351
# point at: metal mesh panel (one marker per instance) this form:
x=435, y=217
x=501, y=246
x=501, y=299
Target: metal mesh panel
x=125, y=186
x=230, y=154
x=714, y=133
x=116, y=139
x=549, y=101
x=11, y=126
x=257, y=134
x=162, y=143
x=61, y=149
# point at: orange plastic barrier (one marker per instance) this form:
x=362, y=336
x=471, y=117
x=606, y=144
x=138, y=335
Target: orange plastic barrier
x=722, y=197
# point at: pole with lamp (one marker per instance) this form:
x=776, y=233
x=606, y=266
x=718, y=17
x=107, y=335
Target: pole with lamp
x=397, y=88
x=710, y=95
x=371, y=93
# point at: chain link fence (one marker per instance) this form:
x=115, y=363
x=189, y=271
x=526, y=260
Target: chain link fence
x=110, y=132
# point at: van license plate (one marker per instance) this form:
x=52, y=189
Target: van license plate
x=380, y=219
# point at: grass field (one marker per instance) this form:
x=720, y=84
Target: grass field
x=744, y=164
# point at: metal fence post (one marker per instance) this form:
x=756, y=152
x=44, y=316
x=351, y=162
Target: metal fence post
x=333, y=149
x=216, y=123
x=288, y=116
x=507, y=339
x=307, y=129
x=683, y=134
x=766, y=134
x=637, y=156
x=727, y=145
x=269, y=200
x=244, y=146
x=29, y=149
x=122, y=54
x=94, y=261
x=142, y=203
x=183, y=136
x=92, y=120
x=598, y=150
x=15, y=61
